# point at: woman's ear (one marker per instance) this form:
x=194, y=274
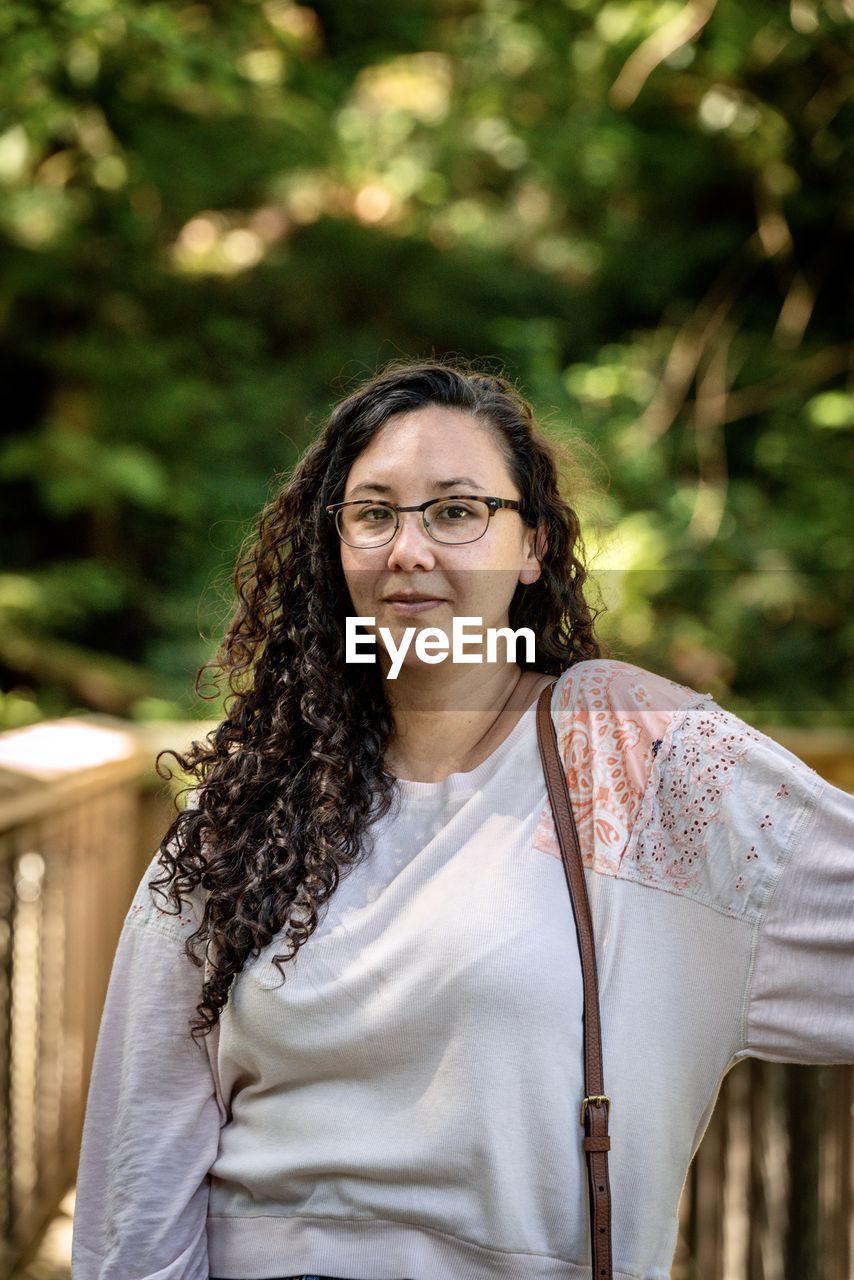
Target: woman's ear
x=537, y=543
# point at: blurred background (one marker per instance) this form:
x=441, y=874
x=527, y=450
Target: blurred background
x=217, y=218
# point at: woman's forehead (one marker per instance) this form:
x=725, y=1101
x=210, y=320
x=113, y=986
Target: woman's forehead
x=432, y=440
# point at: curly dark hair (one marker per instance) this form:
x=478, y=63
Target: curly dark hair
x=290, y=779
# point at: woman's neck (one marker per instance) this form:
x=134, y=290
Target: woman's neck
x=450, y=722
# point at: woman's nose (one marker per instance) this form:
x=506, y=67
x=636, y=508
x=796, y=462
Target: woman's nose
x=412, y=546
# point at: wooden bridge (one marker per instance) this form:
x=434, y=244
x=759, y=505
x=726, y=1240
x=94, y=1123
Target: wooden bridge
x=768, y=1197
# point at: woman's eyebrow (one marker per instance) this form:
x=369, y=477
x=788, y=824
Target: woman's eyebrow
x=434, y=484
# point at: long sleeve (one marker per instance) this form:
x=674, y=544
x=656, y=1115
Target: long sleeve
x=153, y=1116
x=801, y=993
x=735, y=820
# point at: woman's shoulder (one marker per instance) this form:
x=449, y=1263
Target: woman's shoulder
x=619, y=709
x=673, y=790
x=609, y=687
x=152, y=906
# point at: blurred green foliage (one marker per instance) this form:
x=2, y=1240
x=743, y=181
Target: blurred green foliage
x=216, y=217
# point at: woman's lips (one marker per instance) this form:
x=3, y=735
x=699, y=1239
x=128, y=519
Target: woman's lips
x=406, y=608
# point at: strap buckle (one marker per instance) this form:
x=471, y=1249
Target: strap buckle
x=595, y=1099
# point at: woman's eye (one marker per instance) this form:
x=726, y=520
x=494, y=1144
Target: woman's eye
x=374, y=515
x=454, y=511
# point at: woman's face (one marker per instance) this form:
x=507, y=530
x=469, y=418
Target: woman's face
x=429, y=453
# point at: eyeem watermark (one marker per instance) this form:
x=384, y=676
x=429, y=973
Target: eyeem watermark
x=431, y=643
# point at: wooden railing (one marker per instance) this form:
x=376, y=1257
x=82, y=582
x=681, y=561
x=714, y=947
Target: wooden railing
x=768, y=1197
x=79, y=807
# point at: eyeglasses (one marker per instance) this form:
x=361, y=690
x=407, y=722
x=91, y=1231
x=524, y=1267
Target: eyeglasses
x=459, y=518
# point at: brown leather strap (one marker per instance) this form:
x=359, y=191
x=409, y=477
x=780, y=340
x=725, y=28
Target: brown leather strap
x=594, y=1106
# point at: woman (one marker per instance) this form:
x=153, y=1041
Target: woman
x=386, y=1062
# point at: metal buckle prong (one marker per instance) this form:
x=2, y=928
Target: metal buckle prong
x=593, y=1099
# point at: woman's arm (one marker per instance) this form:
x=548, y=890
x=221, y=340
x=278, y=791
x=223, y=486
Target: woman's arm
x=152, y=1120
x=733, y=819
x=801, y=992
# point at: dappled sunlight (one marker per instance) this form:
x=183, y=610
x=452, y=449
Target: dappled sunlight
x=15, y=150
x=418, y=84
x=215, y=244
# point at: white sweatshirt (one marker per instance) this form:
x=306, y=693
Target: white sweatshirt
x=406, y=1103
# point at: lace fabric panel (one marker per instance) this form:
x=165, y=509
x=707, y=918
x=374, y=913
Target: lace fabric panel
x=144, y=911
x=722, y=812
x=672, y=791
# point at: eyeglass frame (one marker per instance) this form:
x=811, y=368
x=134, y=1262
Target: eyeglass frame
x=493, y=505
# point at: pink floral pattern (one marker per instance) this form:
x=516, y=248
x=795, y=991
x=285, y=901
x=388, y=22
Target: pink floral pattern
x=612, y=719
